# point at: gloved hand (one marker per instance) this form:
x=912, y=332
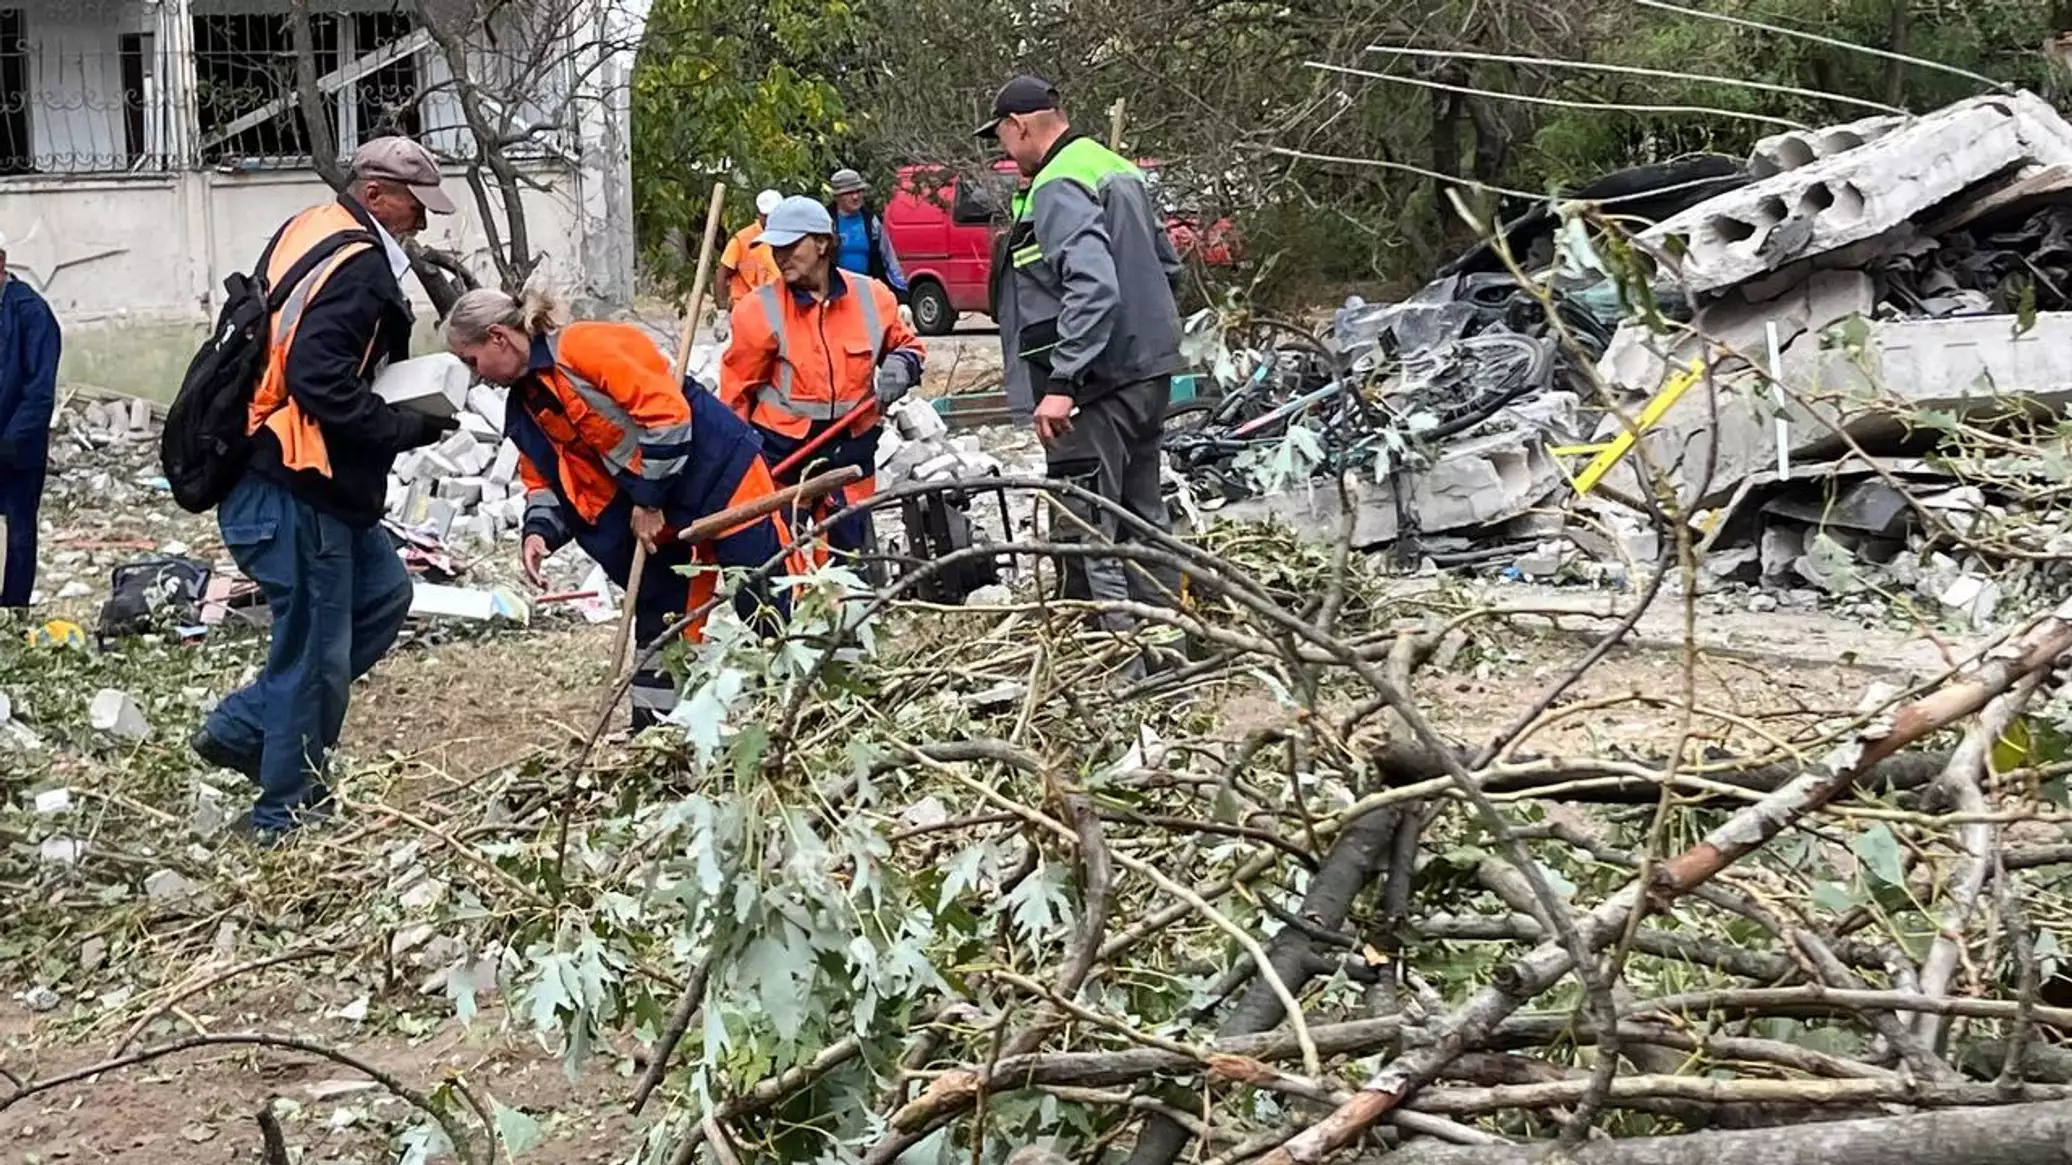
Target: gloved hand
x=895, y=380
x=431, y=428
x=722, y=325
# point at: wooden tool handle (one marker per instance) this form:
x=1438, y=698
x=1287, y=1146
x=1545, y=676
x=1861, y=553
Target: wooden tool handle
x=712, y=526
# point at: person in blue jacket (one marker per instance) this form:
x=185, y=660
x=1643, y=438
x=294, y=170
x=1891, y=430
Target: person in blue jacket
x=28, y=392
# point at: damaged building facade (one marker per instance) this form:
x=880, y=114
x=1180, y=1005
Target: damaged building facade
x=149, y=147
x=1827, y=312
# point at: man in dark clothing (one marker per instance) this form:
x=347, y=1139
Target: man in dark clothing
x=305, y=521
x=861, y=244
x=28, y=391
x=1089, y=329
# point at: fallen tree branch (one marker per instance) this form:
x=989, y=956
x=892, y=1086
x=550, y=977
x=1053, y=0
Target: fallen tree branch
x=2024, y=1134
x=1746, y=831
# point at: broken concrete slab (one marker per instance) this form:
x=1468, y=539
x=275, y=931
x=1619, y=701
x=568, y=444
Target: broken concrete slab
x=1473, y=483
x=1849, y=196
x=1965, y=366
x=1738, y=327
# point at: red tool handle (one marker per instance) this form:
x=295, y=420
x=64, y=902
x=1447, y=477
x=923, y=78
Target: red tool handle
x=841, y=426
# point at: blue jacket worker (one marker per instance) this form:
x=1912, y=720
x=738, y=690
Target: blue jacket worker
x=863, y=246
x=28, y=392
x=305, y=521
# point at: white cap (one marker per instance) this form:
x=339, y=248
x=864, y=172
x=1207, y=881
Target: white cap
x=767, y=201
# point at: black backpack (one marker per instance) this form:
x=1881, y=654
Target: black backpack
x=204, y=447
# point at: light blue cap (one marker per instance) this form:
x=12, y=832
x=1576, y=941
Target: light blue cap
x=794, y=219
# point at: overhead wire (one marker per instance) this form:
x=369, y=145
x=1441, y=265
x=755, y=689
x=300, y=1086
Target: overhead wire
x=1564, y=103
x=1638, y=71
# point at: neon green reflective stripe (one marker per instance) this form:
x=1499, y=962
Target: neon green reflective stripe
x=1084, y=161
x=1023, y=256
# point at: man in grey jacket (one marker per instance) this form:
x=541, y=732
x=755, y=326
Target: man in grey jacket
x=1088, y=328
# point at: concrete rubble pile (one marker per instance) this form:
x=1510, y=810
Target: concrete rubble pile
x=464, y=491
x=1896, y=276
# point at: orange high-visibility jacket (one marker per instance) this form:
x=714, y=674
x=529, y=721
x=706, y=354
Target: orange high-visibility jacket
x=750, y=259
x=794, y=361
x=617, y=416
x=302, y=442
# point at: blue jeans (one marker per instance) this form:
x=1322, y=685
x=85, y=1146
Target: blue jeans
x=338, y=596
x=21, y=494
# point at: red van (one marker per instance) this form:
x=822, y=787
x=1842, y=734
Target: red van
x=943, y=224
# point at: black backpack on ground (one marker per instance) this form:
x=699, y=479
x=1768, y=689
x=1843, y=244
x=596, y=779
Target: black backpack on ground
x=204, y=447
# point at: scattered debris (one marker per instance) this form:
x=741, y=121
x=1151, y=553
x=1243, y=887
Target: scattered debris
x=1837, y=326
x=167, y=888
x=116, y=713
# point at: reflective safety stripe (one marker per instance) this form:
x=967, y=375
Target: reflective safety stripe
x=664, y=451
x=1033, y=253
x=542, y=504
x=298, y=299
x=620, y=455
x=779, y=394
x=871, y=323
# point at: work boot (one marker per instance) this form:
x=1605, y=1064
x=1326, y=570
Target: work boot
x=256, y=835
x=222, y=756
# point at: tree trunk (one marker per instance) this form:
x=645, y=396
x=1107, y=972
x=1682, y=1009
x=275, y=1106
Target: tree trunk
x=1447, y=113
x=1898, y=35
x=316, y=128
x=2021, y=1134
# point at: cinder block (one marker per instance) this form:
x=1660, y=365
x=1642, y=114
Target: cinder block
x=480, y=427
x=435, y=385
x=1795, y=148
x=505, y=468
x=1850, y=196
x=461, y=491
x=439, y=514
x=410, y=466
x=487, y=401
x=917, y=420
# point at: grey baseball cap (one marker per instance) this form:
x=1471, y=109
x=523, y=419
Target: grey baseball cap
x=847, y=181
x=794, y=219
x=405, y=161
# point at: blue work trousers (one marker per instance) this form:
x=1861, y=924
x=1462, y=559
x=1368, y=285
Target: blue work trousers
x=21, y=495
x=339, y=596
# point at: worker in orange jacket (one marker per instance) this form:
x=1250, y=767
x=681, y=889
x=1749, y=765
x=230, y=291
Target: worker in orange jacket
x=747, y=264
x=808, y=354
x=616, y=451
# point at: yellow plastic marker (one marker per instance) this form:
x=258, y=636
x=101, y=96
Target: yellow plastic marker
x=58, y=633
x=1618, y=447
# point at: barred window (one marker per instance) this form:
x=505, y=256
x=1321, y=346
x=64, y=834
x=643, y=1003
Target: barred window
x=245, y=83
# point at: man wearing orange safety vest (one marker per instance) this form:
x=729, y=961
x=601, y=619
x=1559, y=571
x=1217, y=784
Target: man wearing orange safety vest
x=305, y=520
x=747, y=263
x=825, y=349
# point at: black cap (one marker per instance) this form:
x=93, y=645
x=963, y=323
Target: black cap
x=1024, y=94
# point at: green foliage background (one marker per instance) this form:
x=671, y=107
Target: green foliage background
x=781, y=93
